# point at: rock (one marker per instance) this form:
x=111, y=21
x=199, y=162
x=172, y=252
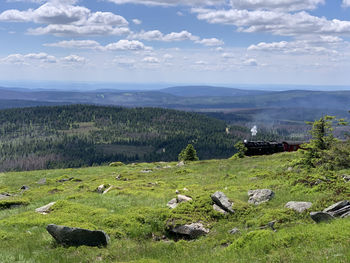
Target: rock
x=191, y=231
x=182, y=163
x=65, y=180
x=185, y=189
x=42, y=181
x=45, y=209
x=176, y=201
x=336, y=206
x=340, y=212
x=272, y=225
x=146, y=171
x=298, y=206
x=290, y=169
x=346, y=177
x=219, y=209
x=234, y=231
x=222, y=201
x=118, y=177
x=77, y=236
x=177, y=192
x=183, y=198
x=24, y=188
x=321, y=217
x=4, y=196
x=167, y=167
x=100, y=189
x=347, y=214
x=172, y=203
x=107, y=190
x=260, y=196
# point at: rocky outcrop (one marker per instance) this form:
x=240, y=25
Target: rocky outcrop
x=45, y=209
x=72, y=236
x=298, y=206
x=259, y=196
x=191, y=231
x=219, y=209
x=176, y=201
x=221, y=200
x=340, y=209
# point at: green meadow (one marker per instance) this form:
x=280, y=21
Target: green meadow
x=135, y=216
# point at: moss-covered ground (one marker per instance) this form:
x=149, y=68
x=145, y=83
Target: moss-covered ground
x=134, y=213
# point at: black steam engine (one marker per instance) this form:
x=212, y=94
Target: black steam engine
x=263, y=147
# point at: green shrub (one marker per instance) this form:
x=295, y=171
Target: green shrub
x=188, y=154
x=116, y=164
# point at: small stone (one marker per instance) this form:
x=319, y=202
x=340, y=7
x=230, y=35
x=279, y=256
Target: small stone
x=183, y=198
x=147, y=171
x=219, y=209
x=177, y=192
x=72, y=236
x=65, y=180
x=346, y=178
x=182, y=163
x=185, y=189
x=172, y=203
x=260, y=196
x=321, y=217
x=290, y=169
x=42, y=181
x=101, y=188
x=234, y=231
x=24, y=188
x=45, y=209
x=192, y=231
x=118, y=177
x=4, y=196
x=107, y=190
x=298, y=206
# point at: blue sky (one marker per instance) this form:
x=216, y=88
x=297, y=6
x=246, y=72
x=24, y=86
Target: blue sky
x=176, y=41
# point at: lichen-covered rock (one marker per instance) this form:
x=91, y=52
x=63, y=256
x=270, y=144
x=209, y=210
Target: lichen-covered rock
x=183, y=198
x=298, y=206
x=319, y=217
x=72, y=236
x=234, y=231
x=222, y=201
x=191, y=231
x=45, y=209
x=260, y=196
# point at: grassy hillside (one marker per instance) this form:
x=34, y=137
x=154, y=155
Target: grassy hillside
x=85, y=135
x=135, y=210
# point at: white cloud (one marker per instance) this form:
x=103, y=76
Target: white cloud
x=346, y=3
x=275, y=22
x=156, y=35
x=77, y=44
x=322, y=44
x=172, y=2
x=126, y=45
x=283, y=5
x=41, y=57
x=137, y=21
x=168, y=56
x=74, y=59
x=211, y=42
x=251, y=62
x=13, y=59
x=29, y=58
x=152, y=60
x=63, y=18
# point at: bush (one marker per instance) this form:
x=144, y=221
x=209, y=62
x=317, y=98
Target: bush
x=116, y=164
x=188, y=154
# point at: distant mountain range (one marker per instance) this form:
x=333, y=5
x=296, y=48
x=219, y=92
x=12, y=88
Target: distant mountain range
x=251, y=104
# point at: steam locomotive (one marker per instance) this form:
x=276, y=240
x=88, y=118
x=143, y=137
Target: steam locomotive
x=263, y=147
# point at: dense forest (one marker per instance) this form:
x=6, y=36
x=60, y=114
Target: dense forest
x=85, y=135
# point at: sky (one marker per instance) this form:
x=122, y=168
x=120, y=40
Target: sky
x=259, y=42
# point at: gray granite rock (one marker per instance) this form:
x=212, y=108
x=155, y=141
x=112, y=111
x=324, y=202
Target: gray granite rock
x=259, y=196
x=234, y=231
x=336, y=206
x=191, y=231
x=172, y=203
x=298, y=206
x=45, y=209
x=72, y=236
x=219, y=209
x=222, y=201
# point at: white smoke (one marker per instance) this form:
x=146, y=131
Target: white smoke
x=254, y=130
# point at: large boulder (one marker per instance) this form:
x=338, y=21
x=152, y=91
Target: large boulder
x=222, y=201
x=319, y=217
x=45, y=209
x=191, y=231
x=172, y=203
x=72, y=236
x=298, y=206
x=219, y=209
x=259, y=196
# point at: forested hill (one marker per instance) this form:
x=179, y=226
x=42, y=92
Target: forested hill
x=84, y=135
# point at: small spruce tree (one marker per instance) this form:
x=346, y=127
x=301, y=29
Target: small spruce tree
x=188, y=154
